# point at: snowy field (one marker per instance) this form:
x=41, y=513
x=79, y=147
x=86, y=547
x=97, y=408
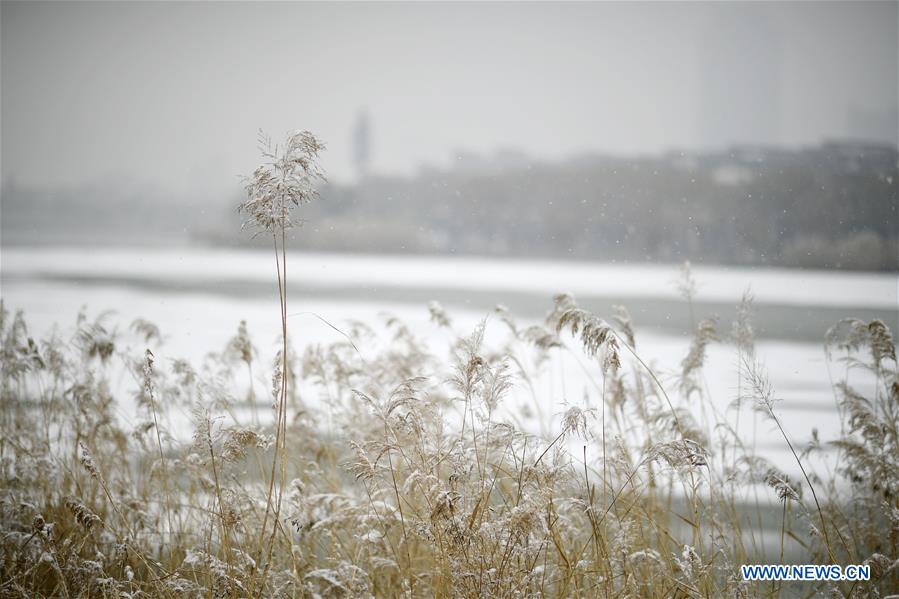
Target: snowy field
x=198, y=296
x=215, y=266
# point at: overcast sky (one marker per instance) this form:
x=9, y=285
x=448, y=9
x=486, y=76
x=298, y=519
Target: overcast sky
x=172, y=94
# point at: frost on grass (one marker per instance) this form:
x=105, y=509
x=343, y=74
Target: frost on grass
x=414, y=476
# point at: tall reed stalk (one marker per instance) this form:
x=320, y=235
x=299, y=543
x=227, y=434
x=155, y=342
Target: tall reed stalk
x=286, y=180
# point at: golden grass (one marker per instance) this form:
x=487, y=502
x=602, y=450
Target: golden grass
x=411, y=477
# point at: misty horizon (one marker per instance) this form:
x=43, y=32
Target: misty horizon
x=437, y=81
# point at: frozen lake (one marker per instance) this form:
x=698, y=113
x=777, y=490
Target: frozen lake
x=198, y=296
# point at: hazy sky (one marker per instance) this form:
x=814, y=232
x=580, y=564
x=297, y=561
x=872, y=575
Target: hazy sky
x=172, y=93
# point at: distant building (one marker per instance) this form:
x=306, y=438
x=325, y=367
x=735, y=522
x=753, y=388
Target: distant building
x=362, y=144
